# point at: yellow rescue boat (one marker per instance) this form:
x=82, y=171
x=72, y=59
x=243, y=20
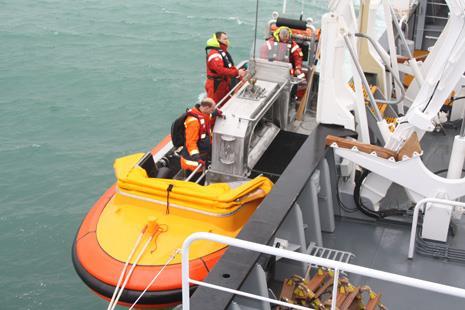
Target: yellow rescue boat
x=150, y=218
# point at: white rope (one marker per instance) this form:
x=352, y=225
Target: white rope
x=115, y=302
x=176, y=252
x=126, y=265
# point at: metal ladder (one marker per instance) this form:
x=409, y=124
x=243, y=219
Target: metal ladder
x=432, y=17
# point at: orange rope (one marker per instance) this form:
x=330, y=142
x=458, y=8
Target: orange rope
x=159, y=229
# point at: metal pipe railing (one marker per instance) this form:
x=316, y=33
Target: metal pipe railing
x=462, y=129
x=335, y=265
x=312, y=49
x=386, y=61
x=441, y=203
x=400, y=32
x=371, y=98
x=412, y=61
x=200, y=178
x=193, y=173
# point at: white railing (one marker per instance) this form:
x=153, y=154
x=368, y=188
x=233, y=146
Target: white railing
x=441, y=203
x=335, y=265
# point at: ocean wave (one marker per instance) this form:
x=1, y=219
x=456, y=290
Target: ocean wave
x=237, y=19
x=166, y=11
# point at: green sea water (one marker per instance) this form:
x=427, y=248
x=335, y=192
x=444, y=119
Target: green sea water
x=82, y=83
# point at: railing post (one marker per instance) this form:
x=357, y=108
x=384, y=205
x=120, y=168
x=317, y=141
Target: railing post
x=442, y=203
x=413, y=231
x=334, y=294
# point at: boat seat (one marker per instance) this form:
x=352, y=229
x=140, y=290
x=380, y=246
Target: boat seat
x=181, y=175
x=148, y=165
x=408, y=150
x=164, y=173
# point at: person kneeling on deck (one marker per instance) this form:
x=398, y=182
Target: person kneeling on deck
x=198, y=136
x=288, y=50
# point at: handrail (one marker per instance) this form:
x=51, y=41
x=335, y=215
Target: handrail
x=335, y=265
x=397, y=25
x=193, y=173
x=312, y=49
x=442, y=203
x=371, y=98
x=386, y=61
x=462, y=128
x=412, y=61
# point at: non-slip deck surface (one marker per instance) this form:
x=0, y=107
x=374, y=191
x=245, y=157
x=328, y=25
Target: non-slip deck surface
x=384, y=246
x=280, y=153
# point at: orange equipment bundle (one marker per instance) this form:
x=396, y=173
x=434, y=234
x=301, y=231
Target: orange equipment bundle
x=316, y=292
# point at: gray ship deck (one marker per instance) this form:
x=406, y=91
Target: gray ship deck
x=383, y=246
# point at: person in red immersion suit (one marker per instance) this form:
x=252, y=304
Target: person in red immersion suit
x=288, y=50
x=220, y=67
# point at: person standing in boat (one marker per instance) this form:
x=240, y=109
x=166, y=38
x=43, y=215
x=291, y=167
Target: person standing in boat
x=198, y=134
x=220, y=67
x=287, y=51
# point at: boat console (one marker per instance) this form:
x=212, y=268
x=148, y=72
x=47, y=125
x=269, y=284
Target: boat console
x=253, y=118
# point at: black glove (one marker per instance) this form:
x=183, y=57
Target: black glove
x=202, y=162
x=196, y=157
x=218, y=112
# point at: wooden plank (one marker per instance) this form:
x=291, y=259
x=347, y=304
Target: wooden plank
x=287, y=290
x=362, y=147
x=373, y=302
x=350, y=299
x=303, y=103
x=323, y=287
x=410, y=146
x=316, y=281
x=341, y=296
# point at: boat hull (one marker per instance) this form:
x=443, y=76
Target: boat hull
x=150, y=299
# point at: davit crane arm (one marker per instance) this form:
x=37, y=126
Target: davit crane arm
x=439, y=81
